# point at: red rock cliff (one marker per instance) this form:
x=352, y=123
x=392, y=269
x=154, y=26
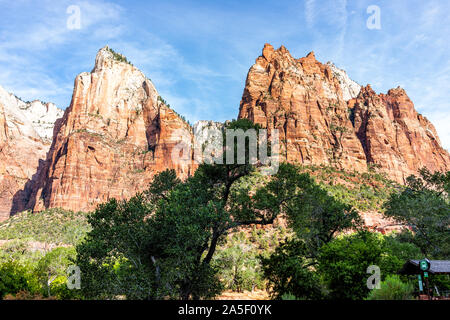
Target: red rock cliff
x=394, y=136
x=304, y=100
x=116, y=134
x=24, y=141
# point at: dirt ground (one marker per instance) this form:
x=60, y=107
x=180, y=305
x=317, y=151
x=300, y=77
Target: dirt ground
x=246, y=295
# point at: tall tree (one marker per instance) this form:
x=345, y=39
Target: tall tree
x=424, y=206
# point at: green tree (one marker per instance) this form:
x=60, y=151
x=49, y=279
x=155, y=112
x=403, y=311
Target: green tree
x=343, y=264
x=161, y=243
x=317, y=218
x=289, y=273
x=113, y=258
x=238, y=267
x=14, y=278
x=51, y=271
x=424, y=206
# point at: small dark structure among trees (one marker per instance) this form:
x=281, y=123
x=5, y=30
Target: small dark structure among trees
x=423, y=269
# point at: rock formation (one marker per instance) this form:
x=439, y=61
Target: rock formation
x=394, y=136
x=25, y=136
x=323, y=117
x=303, y=99
x=117, y=133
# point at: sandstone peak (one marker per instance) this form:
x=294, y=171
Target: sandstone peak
x=311, y=55
x=283, y=49
x=26, y=130
x=115, y=136
x=323, y=117
x=367, y=91
x=268, y=51
x=399, y=91
x=108, y=58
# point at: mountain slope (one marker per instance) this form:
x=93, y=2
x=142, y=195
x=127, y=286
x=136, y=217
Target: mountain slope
x=325, y=118
x=26, y=130
x=116, y=134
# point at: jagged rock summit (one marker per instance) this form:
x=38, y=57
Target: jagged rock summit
x=26, y=130
x=324, y=117
x=116, y=134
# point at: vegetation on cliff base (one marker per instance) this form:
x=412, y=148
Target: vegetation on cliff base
x=55, y=226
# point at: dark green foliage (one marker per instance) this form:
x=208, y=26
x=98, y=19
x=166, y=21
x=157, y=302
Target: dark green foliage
x=119, y=57
x=289, y=272
x=344, y=261
x=113, y=258
x=317, y=217
x=425, y=206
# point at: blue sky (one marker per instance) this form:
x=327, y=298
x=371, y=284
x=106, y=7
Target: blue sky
x=198, y=53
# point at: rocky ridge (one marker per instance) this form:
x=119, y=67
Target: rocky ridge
x=116, y=134
x=323, y=117
x=118, y=131
x=26, y=130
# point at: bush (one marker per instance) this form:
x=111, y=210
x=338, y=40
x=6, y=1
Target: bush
x=239, y=268
x=343, y=264
x=15, y=278
x=51, y=271
x=49, y=226
x=288, y=273
x=392, y=289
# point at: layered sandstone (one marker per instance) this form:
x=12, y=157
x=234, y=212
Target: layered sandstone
x=303, y=99
x=25, y=135
x=117, y=133
x=395, y=137
x=324, y=117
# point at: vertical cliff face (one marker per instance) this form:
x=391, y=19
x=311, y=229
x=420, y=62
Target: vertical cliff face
x=304, y=100
x=117, y=133
x=394, y=136
x=326, y=118
x=25, y=135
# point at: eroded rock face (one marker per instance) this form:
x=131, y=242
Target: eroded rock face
x=394, y=136
x=116, y=134
x=350, y=89
x=25, y=135
x=303, y=99
x=324, y=117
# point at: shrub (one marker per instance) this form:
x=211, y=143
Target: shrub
x=392, y=289
x=239, y=268
x=343, y=264
x=288, y=273
x=15, y=278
